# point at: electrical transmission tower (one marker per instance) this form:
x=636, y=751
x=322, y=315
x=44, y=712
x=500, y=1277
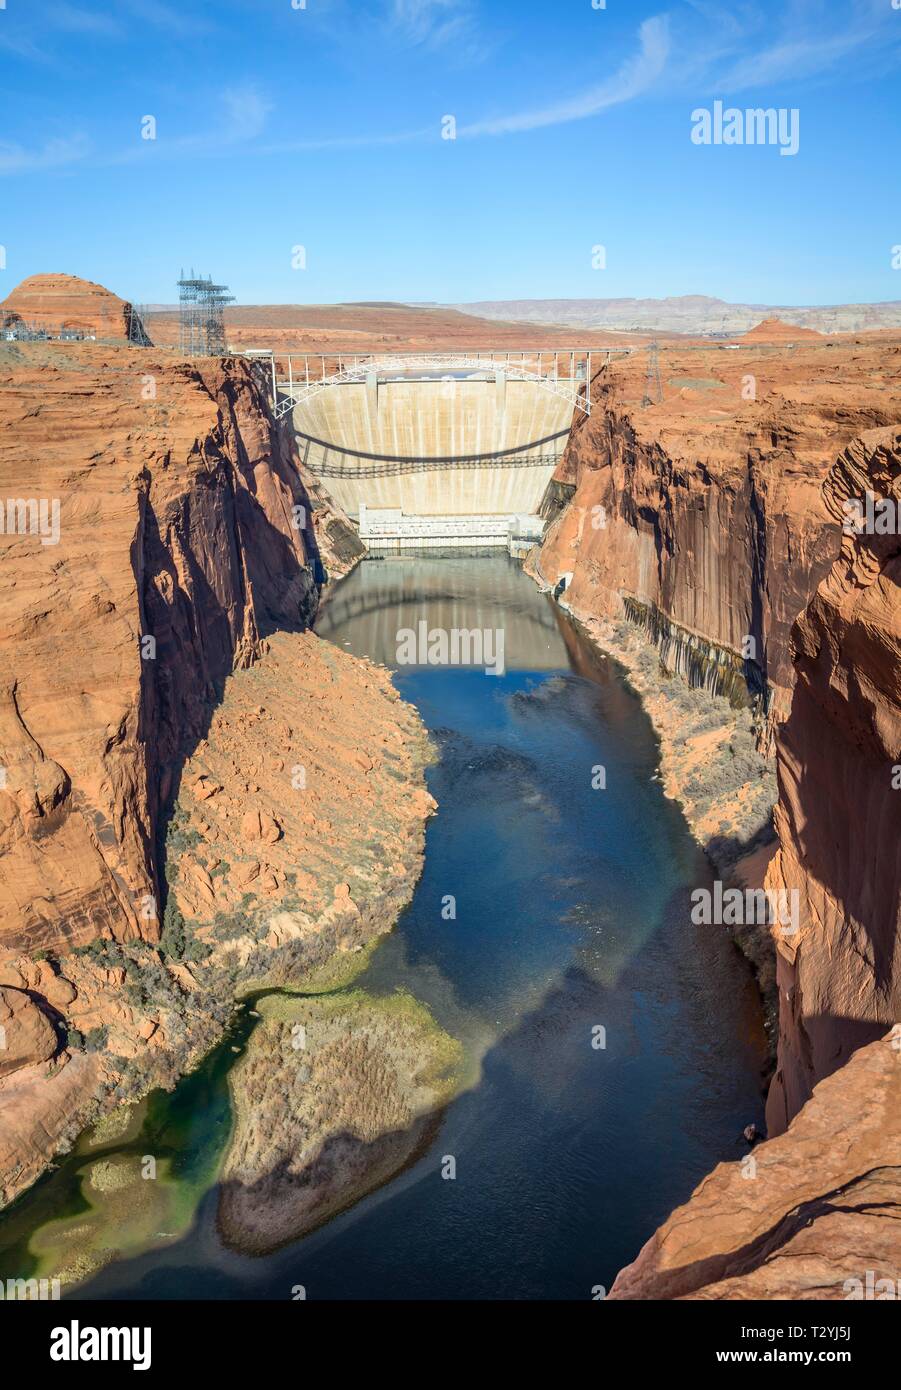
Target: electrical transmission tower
x=137, y=333
x=653, y=391
x=201, y=322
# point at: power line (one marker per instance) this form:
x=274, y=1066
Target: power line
x=201, y=321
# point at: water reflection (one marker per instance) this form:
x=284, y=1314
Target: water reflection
x=571, y=914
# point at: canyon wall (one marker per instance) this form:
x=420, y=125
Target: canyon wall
x=703, y=527
x=812, y=1214
x=839, y=811
x=178, y=548
x=156, y=527
x=700, y=516
x=707, y=520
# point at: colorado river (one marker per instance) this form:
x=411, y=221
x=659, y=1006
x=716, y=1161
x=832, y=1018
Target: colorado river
x=614, y=1049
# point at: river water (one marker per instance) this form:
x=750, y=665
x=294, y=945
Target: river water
x=572, y=930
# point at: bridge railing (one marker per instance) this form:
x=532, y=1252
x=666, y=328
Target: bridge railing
x=297, y=376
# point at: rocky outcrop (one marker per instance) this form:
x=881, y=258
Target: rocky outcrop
x=26, y=1033
x=813, y=1214
x=179, y=534
x=839, y=810
x=299, y=820
x=66, y=304
x=721, y=531
x=700, y=516
x=156, y=529
x=774, y=330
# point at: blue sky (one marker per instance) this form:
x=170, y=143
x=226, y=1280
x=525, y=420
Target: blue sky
x=321, y=127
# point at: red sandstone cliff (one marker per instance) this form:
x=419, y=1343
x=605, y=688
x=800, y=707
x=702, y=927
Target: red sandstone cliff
x=720, y=519
x=704, y=509
x=839, y=810
x=66, y=303
x=155, y=527
x=808, y=1215
x=176, y=551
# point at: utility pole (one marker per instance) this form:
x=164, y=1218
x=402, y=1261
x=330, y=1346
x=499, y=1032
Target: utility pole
x=653, y=391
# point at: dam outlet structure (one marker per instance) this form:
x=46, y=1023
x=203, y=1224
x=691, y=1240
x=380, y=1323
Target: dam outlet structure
x=434, y=449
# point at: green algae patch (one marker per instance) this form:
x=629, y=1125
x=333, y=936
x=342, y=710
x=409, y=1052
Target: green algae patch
x=336, y=972
x=124, y=1211
x=118, y=1125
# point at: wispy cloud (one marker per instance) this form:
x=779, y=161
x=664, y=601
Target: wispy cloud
x=350, y=142
x=72, y=19
x=21, y=46
x=636, y=75
x=246, y=111
x=432, y=23
x=243, y=114
x=741, y=47
x=809, y=44
x=698, y=49
x=53, y=154
x=168, y=17
x=36, y=37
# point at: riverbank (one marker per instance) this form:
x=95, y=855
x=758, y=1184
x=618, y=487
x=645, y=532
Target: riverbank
x=295, y=840
x=189, y=532
x=709, y=765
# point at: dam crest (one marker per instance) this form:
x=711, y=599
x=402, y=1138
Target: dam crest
x=434, y=448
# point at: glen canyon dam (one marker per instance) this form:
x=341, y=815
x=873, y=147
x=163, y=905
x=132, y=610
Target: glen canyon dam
x=450, y=742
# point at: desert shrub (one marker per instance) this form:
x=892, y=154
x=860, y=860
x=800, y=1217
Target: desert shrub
x=95, y=1041
x=173, y=941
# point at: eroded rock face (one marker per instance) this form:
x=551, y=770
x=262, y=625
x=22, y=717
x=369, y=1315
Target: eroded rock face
x=59, y=303
x=809, y=1215
x=839, y=810
x=311, y=771
x=709, y=523
x=156, y=528
x=26, y=1033
x=702, y=515
x=179, y=533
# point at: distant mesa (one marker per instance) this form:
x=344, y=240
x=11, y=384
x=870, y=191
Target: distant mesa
x=777, y=331
x=65, y=306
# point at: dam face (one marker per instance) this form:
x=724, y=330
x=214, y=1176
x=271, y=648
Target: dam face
x=472, y=446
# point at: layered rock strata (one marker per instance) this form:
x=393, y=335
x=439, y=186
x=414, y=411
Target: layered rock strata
x=699, y=516
x=157, y=527
x=703, y=523
x=839, y=811
x=68, y=305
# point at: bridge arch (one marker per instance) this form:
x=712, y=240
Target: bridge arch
x=470, y=432
x=297, y=377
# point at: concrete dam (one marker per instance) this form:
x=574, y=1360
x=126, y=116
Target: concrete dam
x=422, y=449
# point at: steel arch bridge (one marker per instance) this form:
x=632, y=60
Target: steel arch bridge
x=297, y=377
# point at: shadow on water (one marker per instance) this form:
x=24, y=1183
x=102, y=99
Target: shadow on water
x=615, y=1048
